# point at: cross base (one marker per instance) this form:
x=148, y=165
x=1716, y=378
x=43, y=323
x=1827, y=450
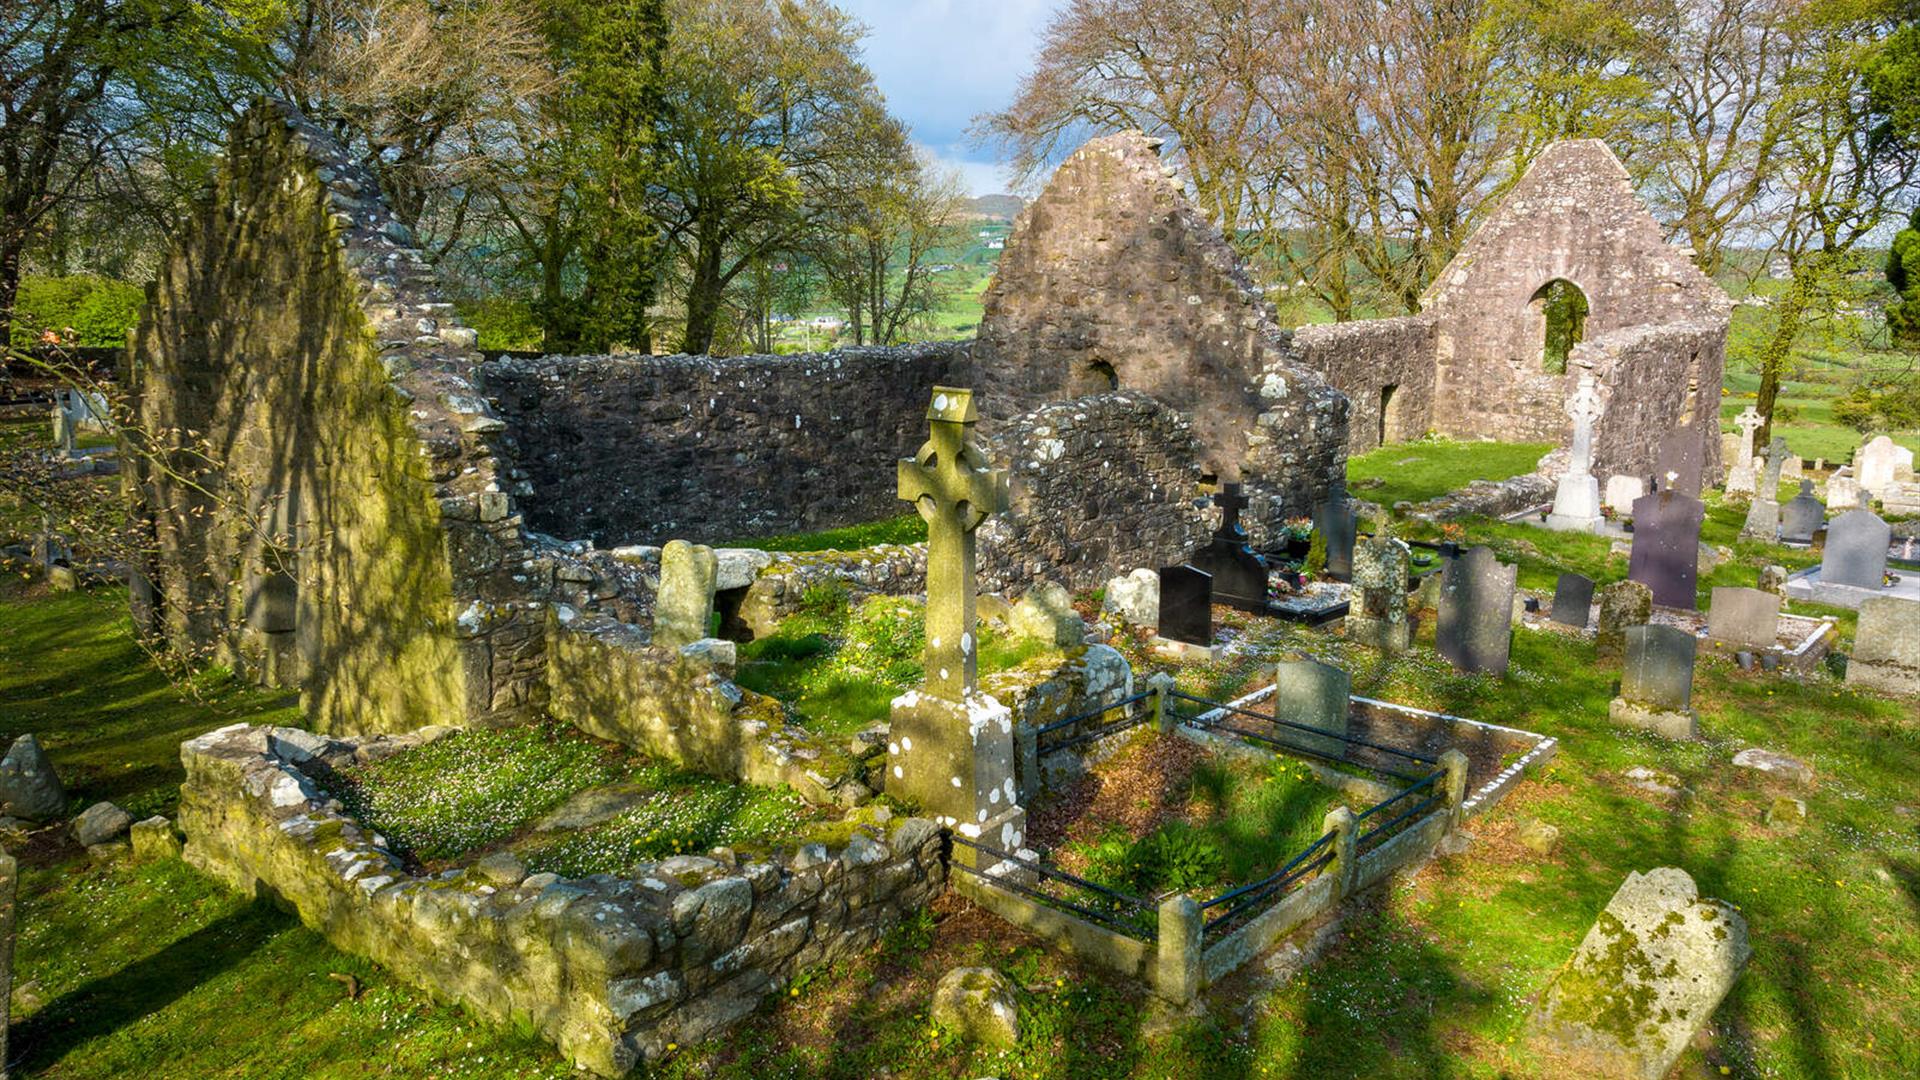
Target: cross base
x=954, y=759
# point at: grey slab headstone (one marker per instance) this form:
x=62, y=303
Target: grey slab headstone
x=1763, y=521
x=1475, y=629
x=1875, y=464
x=1316, y=695
x=1572, y=600
x=1856, y=552
x=1749, y=618
x=1679, y=463
x=1666, y=546
x=683, y=610
x=1802, y=517
x=1377, y=616
x=1659, y=667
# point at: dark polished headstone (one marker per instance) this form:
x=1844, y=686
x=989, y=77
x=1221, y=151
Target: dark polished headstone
x=1659, y=667
x=1239, y=575
x=1475, y=630
x=1186, y=605
x=1666, y=546
x=1802, y=516
x=1680, y=454
x=1856, y=552
x=1572, y=600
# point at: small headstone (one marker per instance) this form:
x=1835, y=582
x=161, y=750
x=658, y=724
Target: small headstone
x=1333, y=519
x=1666, y=546
x=1644, y=980
x=1045, y=614
x=1773, y=579
x=1135, y=597
x=1741, y=478
x=1793, y=470
x=683, y=610
x=1239, y=575
x=1886, y=647
x=1622, y=491
x=1748, y=618
x=29, y=788
x=1623, y=604
x=1802, y=516
x=1316, y=695
x=1656, y=683
x=1186, y=605
x=1679, y=464
x=1856, y=552
x=1475, y=629
x=1773, y=763
x=1378, y=616
x=1573, y=600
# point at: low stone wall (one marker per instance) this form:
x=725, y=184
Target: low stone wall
x=1655, y=380
x=681, y=705
x=645, y=449
x=781, y=588
x=610, y=969
x=1487, y=498
x=1384, y=366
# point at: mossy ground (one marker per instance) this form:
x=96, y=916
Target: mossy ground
x=1418, y=471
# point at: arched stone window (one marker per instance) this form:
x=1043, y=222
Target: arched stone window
x=1562, y=308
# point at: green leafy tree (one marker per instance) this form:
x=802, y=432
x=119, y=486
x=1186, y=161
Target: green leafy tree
x=1903, y=273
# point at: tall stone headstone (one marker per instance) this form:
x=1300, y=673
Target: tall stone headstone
x=1186, y=606
x=1656, y=682
x=1316, y=695
x=1744, y=618
x=1802, y=517
x=1475, y=628
x=1646, y=978
x=950, y=746
x=1666, y=546
x=1741, y=478
x=1576, y=501
x=1239, y=575
x=1622, y=491
x=1886, y=646
x=1377, y=615
x=1874, y=465
x=683, y=610
x=1333, y=520
x=1679, y=464
x=1623, y=604
x=1572, y=600
x=1856, y=552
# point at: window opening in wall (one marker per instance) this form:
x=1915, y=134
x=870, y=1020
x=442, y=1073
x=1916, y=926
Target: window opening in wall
x=1563, y=308
x=1389, y=412
x=1102, y=376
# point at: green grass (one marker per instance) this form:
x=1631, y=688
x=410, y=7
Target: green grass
x=905, y=529
x=683, y=812
x=1416, y=472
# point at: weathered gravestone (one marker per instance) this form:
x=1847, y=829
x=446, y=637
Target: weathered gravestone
x=1622, y=491
x=1680, y=461
x=1572, y=600
x=1802, y=517
x=1886, y=647
x=1644, y=980
x=1623, y=604
x=1856, y=552
x=1576, y=500
x=1475, y=629
x=950, y=746
x=1777, y=453
x=1743, y=618
x=1315, y=695
x=1845, y=493
x=1186, y=606
x=683, y=610
x=1378, y=615
x=1763, y=520
x=1795, y=469
x=1875, y=464
x=1666, y=546
x=1333, y=520
x=1656, y=683
x=1740, y=477
x=29, y=788
x=1135, y=597
x=1239, y=575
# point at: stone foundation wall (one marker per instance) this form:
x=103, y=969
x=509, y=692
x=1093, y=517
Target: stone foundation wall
x=1655, y=380
x=1384, y=366
x=312, y=457
x=611, y=969
x=645, y=449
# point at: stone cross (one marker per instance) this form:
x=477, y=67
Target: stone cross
x=1585, y=408
x=1741, y=477
x=1231, y=501
x=952, y=486
x=1776, y=462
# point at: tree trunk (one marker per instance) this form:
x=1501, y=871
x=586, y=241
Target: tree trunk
x=704, y=294
x=1778, y=353
x=9, y=288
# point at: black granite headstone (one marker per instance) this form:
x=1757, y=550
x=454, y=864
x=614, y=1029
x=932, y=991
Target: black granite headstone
x=1666, y=546
x=1239, y=575
x=1186, y=605
x=1572, y=600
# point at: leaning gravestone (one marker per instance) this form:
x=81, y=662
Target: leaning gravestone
x=1623, y=604
x=1314, y=695
x=1802, y=517
x=1680, y=462
x=683, y=611
x=1186, y=606
x=1856, y=552
x=1744, y=618
x=1656, y=684
x=1622, y=491
x=1378, y=614
x=1666, y=546
x=1572, y=600
x=1886, y=647
x=29, y=788
x=1644, y=980
x=1475, y=629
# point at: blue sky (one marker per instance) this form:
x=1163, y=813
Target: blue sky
x=942, y=62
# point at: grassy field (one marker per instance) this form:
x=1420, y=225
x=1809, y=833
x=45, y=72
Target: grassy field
x=1418, y=471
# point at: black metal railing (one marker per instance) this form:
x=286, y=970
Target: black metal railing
x=1245, y=898
x=1140, y=716
x=1219, y=724
x=1386, y=830
x=1119, y=912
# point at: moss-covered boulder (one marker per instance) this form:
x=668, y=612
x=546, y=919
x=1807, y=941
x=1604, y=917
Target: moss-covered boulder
x=977, y=1003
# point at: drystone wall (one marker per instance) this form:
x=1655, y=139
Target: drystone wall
x=1098, y=485
x=612, y=969
x=1113, y=280
x=1384, y=366
x=1637, y=370
x=313, y=459
x=645, y=449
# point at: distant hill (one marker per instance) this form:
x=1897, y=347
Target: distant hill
x=996, y=207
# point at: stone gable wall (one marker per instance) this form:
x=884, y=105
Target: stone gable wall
x=1363, y=358
x=644, y=449
x=313, y=458
x=1654, y=380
